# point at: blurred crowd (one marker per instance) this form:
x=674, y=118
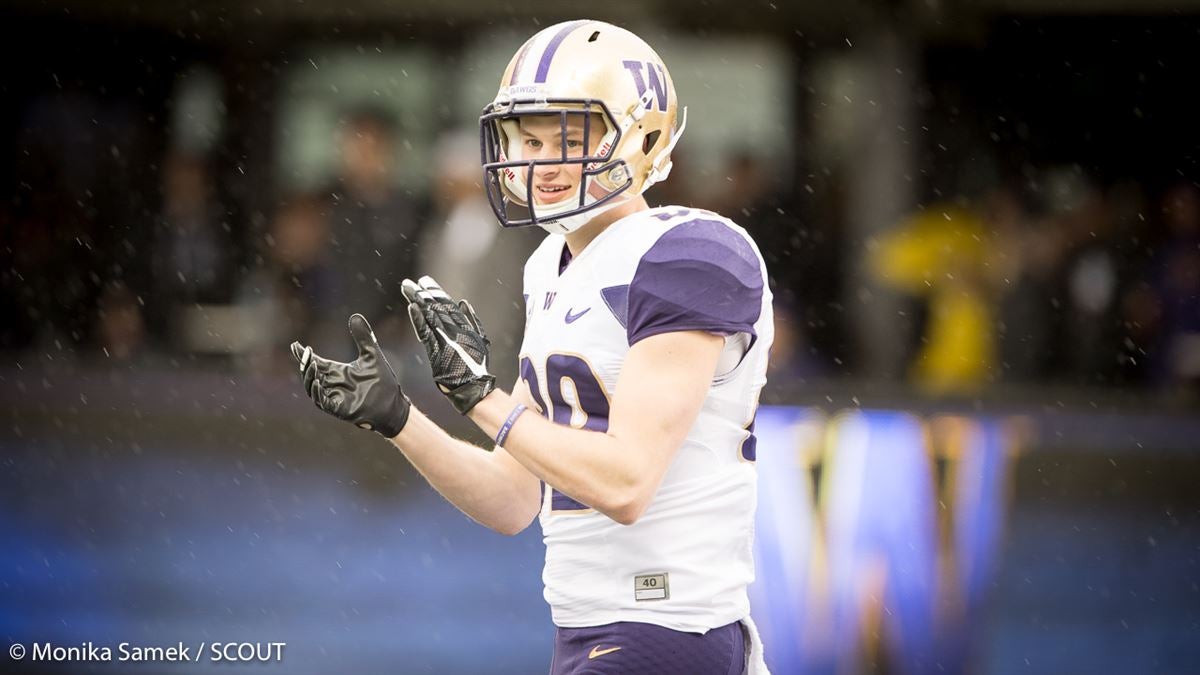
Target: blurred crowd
x=1072, y=282
x=180, y=279
x=1062, y=279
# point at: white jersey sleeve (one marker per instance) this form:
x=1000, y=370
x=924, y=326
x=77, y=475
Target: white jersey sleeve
x=686, y=563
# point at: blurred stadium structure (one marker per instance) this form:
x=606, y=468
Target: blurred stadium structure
x=980, y=446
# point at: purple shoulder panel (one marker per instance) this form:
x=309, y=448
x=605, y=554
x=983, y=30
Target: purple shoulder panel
x=617, y=300
x=699, y=275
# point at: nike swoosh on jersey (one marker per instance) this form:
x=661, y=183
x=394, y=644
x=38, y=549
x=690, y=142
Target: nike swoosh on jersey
x=476, y=368
x=571, y=318
x=597, y=652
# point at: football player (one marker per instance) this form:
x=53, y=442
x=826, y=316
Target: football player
x=630, y=430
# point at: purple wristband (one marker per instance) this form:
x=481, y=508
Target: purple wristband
x=502, y=435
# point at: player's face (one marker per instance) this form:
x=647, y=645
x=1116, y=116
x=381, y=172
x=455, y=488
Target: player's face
x=542, y=138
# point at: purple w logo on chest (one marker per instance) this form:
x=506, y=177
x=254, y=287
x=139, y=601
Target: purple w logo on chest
x=616, y=298
x=571, y=317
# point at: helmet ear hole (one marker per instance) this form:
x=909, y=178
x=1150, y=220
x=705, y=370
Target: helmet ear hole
x=649, y=141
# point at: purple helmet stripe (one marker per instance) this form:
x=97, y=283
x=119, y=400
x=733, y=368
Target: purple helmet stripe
x=520, y=61
x=548, y=55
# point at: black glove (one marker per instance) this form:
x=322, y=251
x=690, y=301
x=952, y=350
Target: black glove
x=364, y=391
x=453, y=339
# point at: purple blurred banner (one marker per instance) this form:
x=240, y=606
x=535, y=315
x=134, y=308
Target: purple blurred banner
x=877, y=537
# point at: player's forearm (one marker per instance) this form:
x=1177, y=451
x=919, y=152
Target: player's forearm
x=591, y=467
x=471, y=478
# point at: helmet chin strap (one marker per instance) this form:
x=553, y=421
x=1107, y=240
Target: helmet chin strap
x=662, y=166
x=571, y=223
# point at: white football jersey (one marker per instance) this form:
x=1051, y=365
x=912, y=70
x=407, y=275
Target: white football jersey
x=686, y=562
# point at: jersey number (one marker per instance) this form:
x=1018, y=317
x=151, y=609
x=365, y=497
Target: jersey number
x=577, y=399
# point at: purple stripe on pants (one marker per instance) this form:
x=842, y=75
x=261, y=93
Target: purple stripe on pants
x=631, y=648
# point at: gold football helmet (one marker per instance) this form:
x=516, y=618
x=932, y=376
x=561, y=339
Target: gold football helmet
x=607, y=77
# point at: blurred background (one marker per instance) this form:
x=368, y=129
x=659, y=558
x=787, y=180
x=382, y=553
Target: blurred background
x=979, y=446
